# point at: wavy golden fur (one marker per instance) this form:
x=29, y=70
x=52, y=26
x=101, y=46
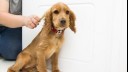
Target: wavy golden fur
x=47, y=43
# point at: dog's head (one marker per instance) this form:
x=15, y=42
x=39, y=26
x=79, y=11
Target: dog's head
x=60, y=17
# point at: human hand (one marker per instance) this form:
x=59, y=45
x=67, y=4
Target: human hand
x=31, y=21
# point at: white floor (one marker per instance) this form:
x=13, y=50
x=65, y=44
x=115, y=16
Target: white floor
x=4, y=65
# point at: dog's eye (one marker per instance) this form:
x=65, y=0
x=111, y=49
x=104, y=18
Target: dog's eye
x=67, y=12
x=56, y=12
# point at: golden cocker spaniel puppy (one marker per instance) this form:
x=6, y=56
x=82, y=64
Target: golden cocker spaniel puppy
x=47, y=43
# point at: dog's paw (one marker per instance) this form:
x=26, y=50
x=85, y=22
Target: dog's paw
x=9, y=70
x=56, y=71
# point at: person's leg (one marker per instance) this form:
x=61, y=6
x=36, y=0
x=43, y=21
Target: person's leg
x=11, y=43
x=2, y=28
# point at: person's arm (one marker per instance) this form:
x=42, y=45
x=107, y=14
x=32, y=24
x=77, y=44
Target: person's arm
x=14, y=21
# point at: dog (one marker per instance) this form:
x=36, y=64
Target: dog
x=46, y=45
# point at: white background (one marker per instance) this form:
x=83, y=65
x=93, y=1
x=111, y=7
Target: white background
x=100, y=44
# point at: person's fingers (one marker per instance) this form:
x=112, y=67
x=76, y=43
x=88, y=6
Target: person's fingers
x=33, y=25
x=30, y=24
x=36, y=18
x=34, y=21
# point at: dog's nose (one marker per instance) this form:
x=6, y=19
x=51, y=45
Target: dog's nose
x=63, y=21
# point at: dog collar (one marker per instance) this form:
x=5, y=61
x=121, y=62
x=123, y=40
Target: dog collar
x=54, y=30
x=57, y=31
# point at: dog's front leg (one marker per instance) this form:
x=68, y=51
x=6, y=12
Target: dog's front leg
x=41, y=62
x=55, y=62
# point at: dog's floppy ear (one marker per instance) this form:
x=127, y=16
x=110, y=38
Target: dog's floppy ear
x=48, y=20
x=48, y=16
x=72, y=21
